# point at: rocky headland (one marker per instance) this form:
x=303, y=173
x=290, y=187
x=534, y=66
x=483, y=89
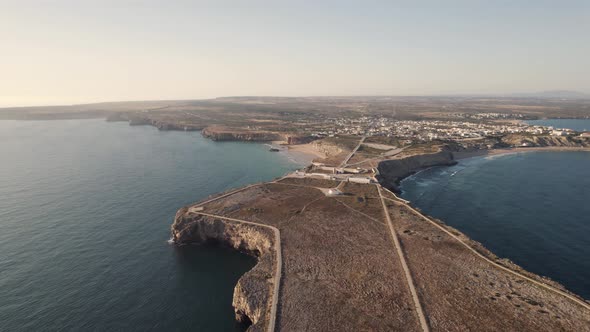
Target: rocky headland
x=545, y=141
x=364, y=260
x=391, y=172
x=137, y=119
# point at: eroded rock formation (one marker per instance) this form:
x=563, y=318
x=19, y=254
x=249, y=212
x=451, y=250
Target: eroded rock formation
x=394, y=170
x=543, y=141
x=251, y=299
x=222, y=134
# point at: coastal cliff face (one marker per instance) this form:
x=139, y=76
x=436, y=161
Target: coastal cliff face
x=544, y=141
x=251, y=299
x=393, y=171
x=235, y=135
x=161, y=124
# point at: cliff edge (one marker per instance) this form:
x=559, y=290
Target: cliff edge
x=363, y=260
x=392, y=171
x=229, y=134
x=251, y=299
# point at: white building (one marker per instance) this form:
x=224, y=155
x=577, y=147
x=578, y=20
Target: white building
x=364, y=180
x=334, y=192
x=558, y=133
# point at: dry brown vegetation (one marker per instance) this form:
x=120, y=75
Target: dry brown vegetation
x=341, y=271
x=296, y=115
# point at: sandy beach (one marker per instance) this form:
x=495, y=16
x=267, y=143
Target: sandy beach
x=302, y=153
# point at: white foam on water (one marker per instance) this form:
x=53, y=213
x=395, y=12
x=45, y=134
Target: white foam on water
x=457, y=171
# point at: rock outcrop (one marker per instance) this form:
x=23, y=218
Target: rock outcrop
x=251, y=299
x=298, y=139
x=136, y=119
x=226, y=134
x=177, y=126
x=391, y=172
x=545, y=141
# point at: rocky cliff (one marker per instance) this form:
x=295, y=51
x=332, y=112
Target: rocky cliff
x=298, y=139
x=165, y=125
x=542, y=141
x=218, y=134
x=393, y=171
x=252, y=294
x=135, y=119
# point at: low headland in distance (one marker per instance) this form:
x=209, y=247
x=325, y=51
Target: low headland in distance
x=337, y=249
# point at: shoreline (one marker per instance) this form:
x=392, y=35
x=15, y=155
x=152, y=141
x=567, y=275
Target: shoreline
x=308, y=152
x=495, y=152
x=195, y=218
x=501, y=262
x=506, y=151
x=303, y=154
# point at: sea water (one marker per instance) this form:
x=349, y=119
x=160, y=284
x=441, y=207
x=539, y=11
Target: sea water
x=574, y=124
x=533, y=208
x=85, y=213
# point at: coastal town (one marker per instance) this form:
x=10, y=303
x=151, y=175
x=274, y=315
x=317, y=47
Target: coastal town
x=426, y=130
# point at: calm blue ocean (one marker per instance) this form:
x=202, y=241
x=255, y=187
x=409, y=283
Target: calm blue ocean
x=574, y=124
x=532, y=208
x=85, y=214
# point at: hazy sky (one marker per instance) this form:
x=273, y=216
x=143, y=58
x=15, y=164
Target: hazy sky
x=54, y=52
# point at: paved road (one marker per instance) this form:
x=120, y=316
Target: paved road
x=343, y=164
x=402, y=259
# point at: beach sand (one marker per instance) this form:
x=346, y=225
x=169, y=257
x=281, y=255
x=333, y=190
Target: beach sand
x=303, y=154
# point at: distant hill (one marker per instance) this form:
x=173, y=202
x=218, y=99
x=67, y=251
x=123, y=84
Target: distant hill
x=561, y=94
x=257, y=111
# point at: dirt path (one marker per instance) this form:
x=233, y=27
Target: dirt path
x=400, y=253
x=343, y=164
